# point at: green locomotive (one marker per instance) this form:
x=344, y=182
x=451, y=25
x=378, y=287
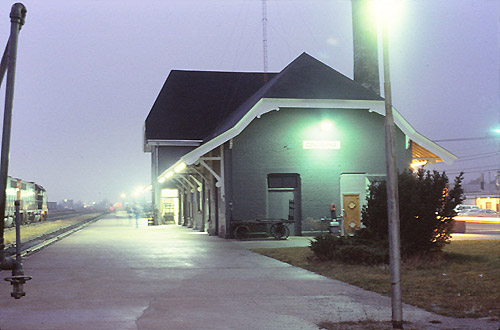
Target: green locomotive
x=33, y=207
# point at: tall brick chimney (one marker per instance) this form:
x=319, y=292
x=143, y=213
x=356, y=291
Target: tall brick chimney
x=365, y=46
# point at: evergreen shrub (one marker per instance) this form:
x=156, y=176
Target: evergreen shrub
x=349, y=250
x=358, y=253
x=324, y=246
x=426, y=210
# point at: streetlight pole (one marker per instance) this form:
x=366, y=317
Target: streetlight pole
x=17, y=17
x=392, y=191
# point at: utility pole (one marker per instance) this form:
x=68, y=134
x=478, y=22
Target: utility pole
x=264, y=36
x=392, y=191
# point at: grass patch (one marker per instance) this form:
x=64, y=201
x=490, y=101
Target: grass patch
x=367, y=325
x=39, y=228
x=361, y=325
x=464, y=282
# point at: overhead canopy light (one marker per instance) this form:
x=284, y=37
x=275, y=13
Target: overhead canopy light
x=180, y=167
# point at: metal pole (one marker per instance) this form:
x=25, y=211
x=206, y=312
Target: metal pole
x=3, y=64
x=392, y=193
x=264, y=37
x=155, y=191
x=17, y=16
x=18, y=232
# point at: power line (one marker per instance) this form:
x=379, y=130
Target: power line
x=469, y=158
x=472, y=171
x=467, y=139
x=481, y=154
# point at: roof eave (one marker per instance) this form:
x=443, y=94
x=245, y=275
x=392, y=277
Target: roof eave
x=443, y=154
x=150, y=143
x=266, y=105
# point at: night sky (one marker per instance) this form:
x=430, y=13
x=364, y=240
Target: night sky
x=88, y=73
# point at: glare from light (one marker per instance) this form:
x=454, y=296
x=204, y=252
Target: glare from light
x=180, y=167
x=496, y=130
x=161, y=179
x=172, y=193
x=138, y=190
x=417, y=164
x=478, y=219
x=169, y=175
x=148, y=188
x=385, y=11
x=326, y=126
x=123, y=195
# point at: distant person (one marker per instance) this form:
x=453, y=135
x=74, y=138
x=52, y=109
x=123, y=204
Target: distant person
x=137, y=211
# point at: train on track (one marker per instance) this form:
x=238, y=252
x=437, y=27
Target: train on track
x=33, y=199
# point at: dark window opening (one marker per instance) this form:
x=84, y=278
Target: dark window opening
x=282, y=180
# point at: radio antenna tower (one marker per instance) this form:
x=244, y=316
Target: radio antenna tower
x=264, y=36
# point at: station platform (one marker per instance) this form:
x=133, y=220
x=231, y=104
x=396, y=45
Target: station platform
x=114, y=275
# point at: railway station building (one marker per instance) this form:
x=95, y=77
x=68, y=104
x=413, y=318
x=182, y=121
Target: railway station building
x=240, y=146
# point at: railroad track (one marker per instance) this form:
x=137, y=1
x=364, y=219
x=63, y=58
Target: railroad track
x=53, y=216
x=37, y=243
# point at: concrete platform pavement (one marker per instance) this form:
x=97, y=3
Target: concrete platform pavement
x=112, y=275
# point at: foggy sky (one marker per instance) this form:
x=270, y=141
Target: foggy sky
x=88, y=73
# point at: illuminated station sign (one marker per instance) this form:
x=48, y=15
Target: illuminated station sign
x=320, y=144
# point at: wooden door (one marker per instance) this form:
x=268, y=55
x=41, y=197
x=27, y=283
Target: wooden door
x=352, y=213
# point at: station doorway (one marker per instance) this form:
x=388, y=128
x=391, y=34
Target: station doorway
x=169, y=206
x=283, y=192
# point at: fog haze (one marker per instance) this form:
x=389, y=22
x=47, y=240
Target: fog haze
x=88, y=73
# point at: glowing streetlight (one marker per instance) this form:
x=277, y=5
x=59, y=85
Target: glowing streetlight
x=138, y=191
x=385, y=11
x=496, y=130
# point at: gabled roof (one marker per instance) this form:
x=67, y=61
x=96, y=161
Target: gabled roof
x=192, y=104
x=198, y=105
x=304, y=78
x=214, y=107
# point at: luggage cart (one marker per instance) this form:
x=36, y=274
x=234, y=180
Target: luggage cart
x=277, y=228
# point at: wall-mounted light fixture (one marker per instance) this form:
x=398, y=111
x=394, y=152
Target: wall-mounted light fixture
x=326, y=125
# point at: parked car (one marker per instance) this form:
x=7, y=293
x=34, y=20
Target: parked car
x=462, y=208
x=480, y=213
